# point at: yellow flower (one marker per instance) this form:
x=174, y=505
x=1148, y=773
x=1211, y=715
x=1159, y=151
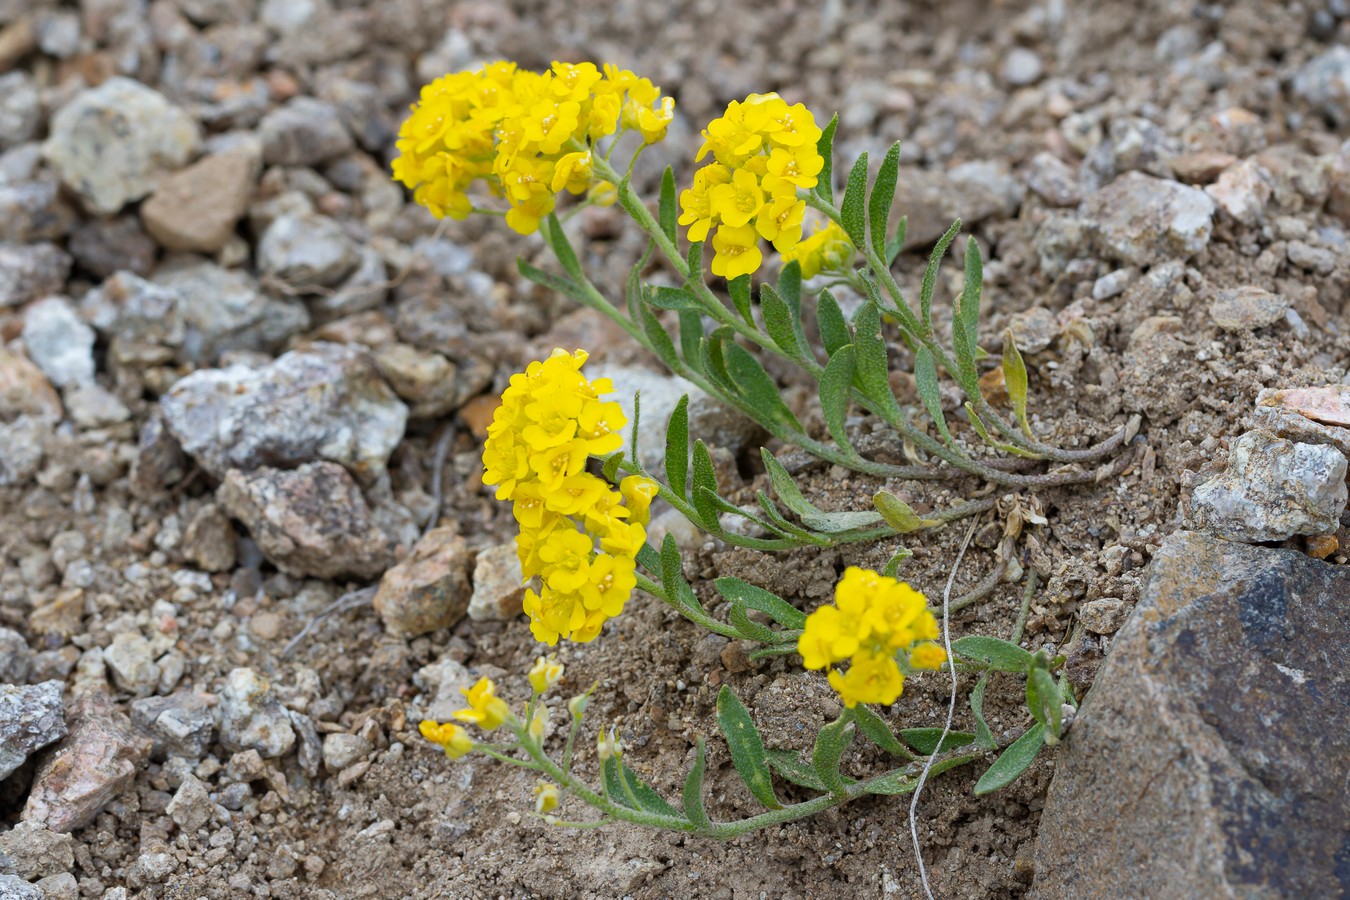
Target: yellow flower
x=638, y=493
x=607, y=745
x=738, y=202
x=871, y=678
x=455, y=740
x=573, y=172
x=737, y=251
x=547, y=672
x=781, y=221
x=603, y=194
x=927, y=656
x=539, y=723
x=486, y=709
x=546, y=797
x=788, y=170
x=828, y=249
x=696, y=202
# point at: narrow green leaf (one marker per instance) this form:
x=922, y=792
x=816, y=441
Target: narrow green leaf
x=748, y=627
x=723, y=505
x=747, y=748
x=825, y=146
x=695, y=260
x=704, y=476
x=785, y=487
x=994, y=653
x=783, y=327
x=1044, y=701
x=650, y=559
x=834, y=331
x=924, y=740
x=851, y=209
x=562, y=248
x=1014, y=761
x=658, y=337
x=831, y=742
x=883, y=194
x=983, y=736
x=930, y=274
x=669, y=213
x=790, y=286
x=563, y=286
x=672, y=567
x=897, y=242
x=739, y=288
x=926, y=381
x=677, y=447
x=788, y=764
x=897, y=558
x=835, y=384
x=694, y=809
x=875, y=729
x=899, y=514
x=767, y=602
x=1015, y=379
x=873, y=373
x=782, y=524
x=633, y=292
x=626, y=788
x=963, y=343
x=635, y=428
x=971, y=290
x=756, y=386
x=665, y=297
x=904, y=782
x=691, y=336
x=610, y=467
x=614, y=786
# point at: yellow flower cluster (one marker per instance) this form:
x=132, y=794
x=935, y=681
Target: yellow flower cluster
x=827, y=249
x=578, y=535
x=528, y=135
x=874, y=619
x=764, y=152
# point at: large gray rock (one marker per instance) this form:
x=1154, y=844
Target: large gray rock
x=307, y=251
x=252, y=718
x=1271, y=490
x=223, y=309
x=112, y=144
x=34, y=852
x=304, y=132
x=1324, y=83
x=326, y=402
x=12, y=887
x=178, y=725
x=429, y=589
x=1209, y=758
x=59, y=342
x=1142, y=220
x=31, y=717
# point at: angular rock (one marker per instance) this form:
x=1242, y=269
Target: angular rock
x=208, y=540
x=1324, y=84
x=1142, y=220
x=20, y=109
x=135, y=311
x=223, y=309
x=94, y=764
x=1243, y=191
x=191, y=807
x=304, y=132
x=326, y=402
x=103, y=247
x=112, y=144
x=33, y=211
x=498, y=585
x=57, y=339
x=251, y=718
x=933, y=200
x=1203, y=762
x=196, y=209
x=1271, y=490
x=16, y=659
x=1053, y=180
x=24, y=390
x=341, y=750
x=1247, y=308
x=22, y=448
x=12, y=887
x=307, y=250
x=429, y=382
x=94, y=406
x=159, y=460
x=131, y=663
x=31, y=717
x=365, y=288
x=34, y=852
x=310, y=521
x=429, y=589
x=31, y=271
x=180, y=724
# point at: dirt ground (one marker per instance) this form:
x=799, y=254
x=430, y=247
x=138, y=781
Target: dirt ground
x=947, y=79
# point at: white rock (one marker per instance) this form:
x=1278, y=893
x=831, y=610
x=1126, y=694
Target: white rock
x=59, y=342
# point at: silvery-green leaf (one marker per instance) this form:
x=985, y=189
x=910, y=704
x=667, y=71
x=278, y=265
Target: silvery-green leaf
x=930, y=274
x=677, y=447
x=1014, y=761
x=926, y=382
x=831, y=742
x=767, y=602
x=825, y=146
x=694, y=809
x=851, y=214
x=834, y=331
x=747, y=748
x=899, y=514
x=836, y=382
x=668, y=212
x=1015, y=378
x=883, y=194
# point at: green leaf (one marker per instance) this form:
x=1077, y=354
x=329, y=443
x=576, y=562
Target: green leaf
x=893, y=564
x=677, y=447
x=767, y=602
x=713, y=361
x=635, y=428
x=875, y=729
x=610, y=467
x=784, y=526
x=831, y=742
x=633, y=293
x=1014, y=761
x=926, y=381
x=1015, y=379
x=695, y=259
x=883, y=194
x=924, y=740
x=691, y=336
x=963, y=343
x=785, y=487
x=664, y=297
x=739, y=288
x=835, y=384
x=756, y=386
x=993, y=653
x=747, y=748
x=834, y=331
x=840, y=522
x=694, y=809
x=1044, y=701
x=903, y=782
x=659, y=339
x=788, y=764
x=897, y=243
x=749, y=628
x=668, y=212
x=562, y=248
x=825, y=146
x=930, y=274
x=626, y=788
x=564, y=286
x=851, y=214
x=970, y=291
x=790, y=287
x=898, y=514
x=873, y=373
x=784, y=327
x=983, y=736
x=704, y=476
x=672, y=567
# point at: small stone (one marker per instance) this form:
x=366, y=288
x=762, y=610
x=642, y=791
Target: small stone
x=1050, y=178
x=103, y=247
x=180, y=724
x=135, y=311
x=191, y=807
x=96, y=762
x=12, y=887
x=196, y=208
x=429, y=589
x=33, y=211
x=1314, y=259
x=20, y=108
x=304, y=132
x=1142, y=220
x=1104, y=615
x=1323, y=545
x=159, y=461
x=1201, y=167
x=16, y=659
x=341, y=750
x=59, y=342
x=112, y=144
x=326, y=402
x=94, y=406
x=1021, y=67
x=251, y=718
x=1113, y=284
x=1247, y=308
x=61, y=886
x=430, y=383
x=498, y=586
x=307, y=251
x=310, y=521
x=364, y=289
x=131, y=662
x=1242, y=191
x=1324, y=84
x=208, y=540
x=1272, y=490
x=31, y=717
x=31, y=271
x=24, y=390
x=445, y=680
x=34, y=852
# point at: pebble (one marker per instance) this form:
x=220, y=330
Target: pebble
x=61, y=886
x=1243, y=191
x=131, y=662
x=1314, y=259
x=59, y=342
x=112, y=144
x=196, y=209
x=429, y=589
x=12, y=887
x=365, y=288
x=1202, y=166
x=251, y=718
x=1247, y=308
x=1021, y=67
x=31, y=717
x=311, y=521
x=1104, y=615
x=33, y=852
x=16, y=659
x=24, y=390
x=224, y=310
x=446, y=681
x=498, y=585
x=20, y=109
x=180, y=724
x=33, y=211
x=208, y=540
x=1324, y=84
x=94, y=406
x=341, y=750
x=431, y=384
x=31, y=271
x=104, y=247
x=304, y=132
x=1141, y=220
x=96, y=762
x=1272, y=490
x=191, y=807
x=1113, y=284
x=1050, y=178
x=307, y=251
x=326, y=402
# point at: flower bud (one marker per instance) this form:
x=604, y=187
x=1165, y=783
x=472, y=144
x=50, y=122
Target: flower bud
x=547, y=672
x=546, y=797
x=577, y=705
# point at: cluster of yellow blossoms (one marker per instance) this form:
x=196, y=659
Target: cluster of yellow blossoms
x=828, y=249
x=765, y=151
x=873, y=619
x=528, y=135
x=578, y=535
